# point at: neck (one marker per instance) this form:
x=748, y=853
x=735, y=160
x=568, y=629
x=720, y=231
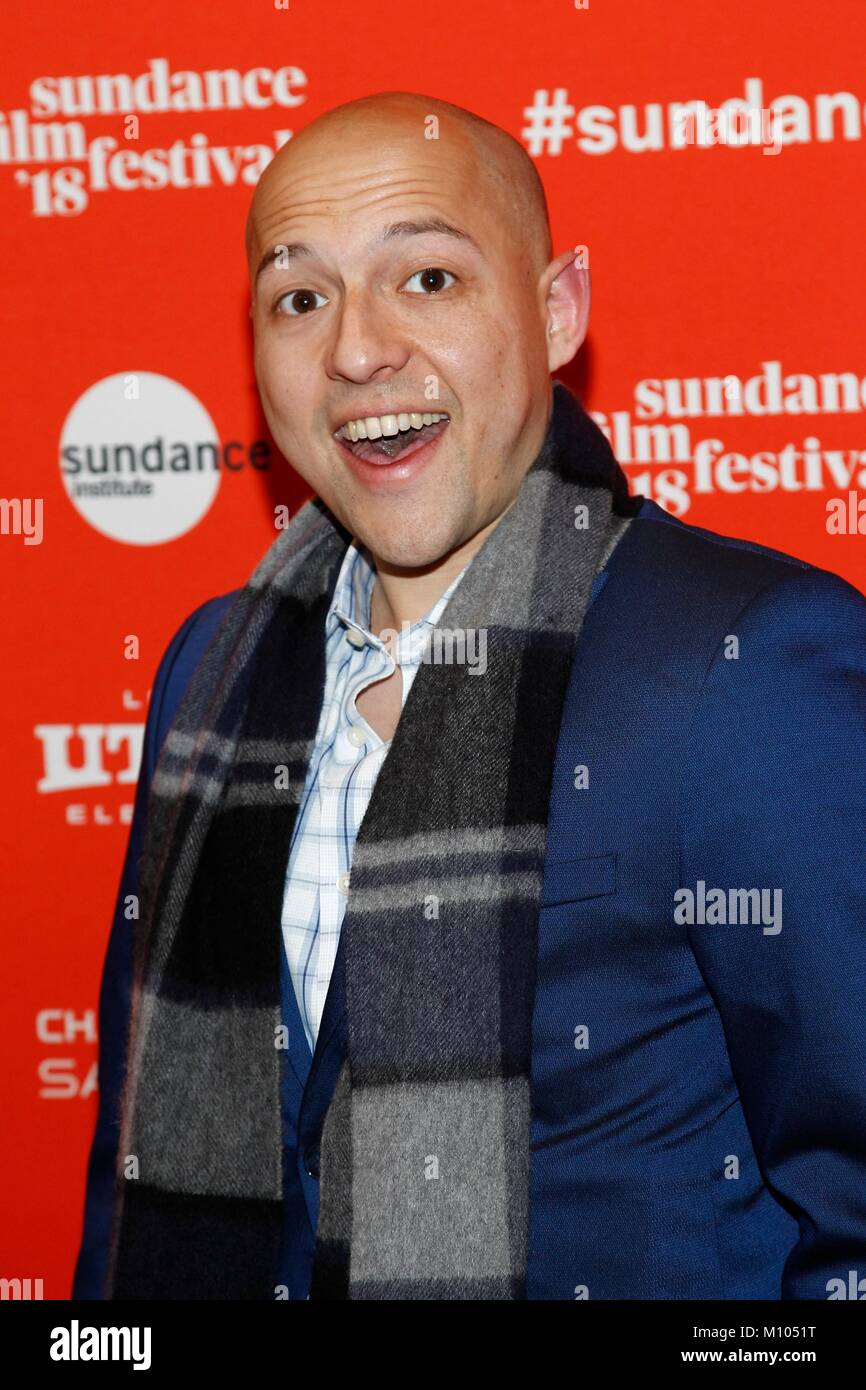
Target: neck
x=403, y=595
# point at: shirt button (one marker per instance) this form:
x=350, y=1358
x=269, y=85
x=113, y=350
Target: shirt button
x=356, y=637
x=343, y=883
x=356, y=736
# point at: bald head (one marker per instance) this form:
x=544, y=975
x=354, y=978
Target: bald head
x=501, y=170
x=400, y=262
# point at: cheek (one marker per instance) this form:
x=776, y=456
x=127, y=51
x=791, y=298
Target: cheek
x=280, y=372
x=263, y=362
x=473, y=351
x=500, y=340
x=278, y=394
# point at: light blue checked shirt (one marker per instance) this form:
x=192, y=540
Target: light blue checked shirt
x=344, y=765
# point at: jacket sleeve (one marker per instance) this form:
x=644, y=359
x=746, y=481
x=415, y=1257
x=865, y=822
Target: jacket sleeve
x=774, y=797
x=114, y=994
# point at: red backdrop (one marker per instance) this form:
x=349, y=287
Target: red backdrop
x=726, y=356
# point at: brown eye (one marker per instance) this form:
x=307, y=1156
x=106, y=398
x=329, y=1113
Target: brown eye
x=431, y=280
x=301, y=302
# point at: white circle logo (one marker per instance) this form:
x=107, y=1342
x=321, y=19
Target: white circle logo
x=139, y=457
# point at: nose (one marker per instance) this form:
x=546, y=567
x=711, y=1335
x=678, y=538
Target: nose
x=366, y=340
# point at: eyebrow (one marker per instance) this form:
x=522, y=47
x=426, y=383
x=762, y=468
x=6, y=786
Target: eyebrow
x=436, y=225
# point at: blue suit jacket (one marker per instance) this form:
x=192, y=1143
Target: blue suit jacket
x=709, y=1140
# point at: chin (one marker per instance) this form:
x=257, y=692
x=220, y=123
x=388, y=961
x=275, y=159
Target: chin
x=405, y=555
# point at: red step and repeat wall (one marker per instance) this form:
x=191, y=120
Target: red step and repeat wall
x=710, y=160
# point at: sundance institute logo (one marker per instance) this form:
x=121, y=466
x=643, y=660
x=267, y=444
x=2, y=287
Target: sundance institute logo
x=141, y=459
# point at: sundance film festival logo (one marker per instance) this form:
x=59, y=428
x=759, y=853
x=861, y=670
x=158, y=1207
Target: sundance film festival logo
x=53, y=134
x=141, y=460
x=675, y=431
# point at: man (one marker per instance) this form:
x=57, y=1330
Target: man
x=588, y=1022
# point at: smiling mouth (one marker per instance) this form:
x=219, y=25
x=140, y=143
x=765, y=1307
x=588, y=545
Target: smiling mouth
x=405, y=435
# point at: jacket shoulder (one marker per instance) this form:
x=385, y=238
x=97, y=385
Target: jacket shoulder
x=709, y=562
x=712, y=544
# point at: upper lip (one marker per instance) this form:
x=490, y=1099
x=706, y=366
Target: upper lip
x=362, y=413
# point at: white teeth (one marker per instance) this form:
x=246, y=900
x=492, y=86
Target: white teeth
x=374, y=426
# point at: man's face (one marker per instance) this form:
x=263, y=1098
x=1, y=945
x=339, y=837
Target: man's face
x=373, y=318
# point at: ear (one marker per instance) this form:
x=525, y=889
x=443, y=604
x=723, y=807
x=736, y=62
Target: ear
x=566, y=289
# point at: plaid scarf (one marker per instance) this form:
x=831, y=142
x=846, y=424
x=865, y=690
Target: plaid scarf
x=426, y=1144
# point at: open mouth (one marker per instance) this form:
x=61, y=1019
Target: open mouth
x=384, y=439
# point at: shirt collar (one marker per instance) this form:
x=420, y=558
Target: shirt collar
x=353, y=591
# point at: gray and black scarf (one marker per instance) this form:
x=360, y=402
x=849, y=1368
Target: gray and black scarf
x=425, y=1148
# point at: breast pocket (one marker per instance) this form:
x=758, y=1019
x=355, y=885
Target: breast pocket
x=570, y=878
